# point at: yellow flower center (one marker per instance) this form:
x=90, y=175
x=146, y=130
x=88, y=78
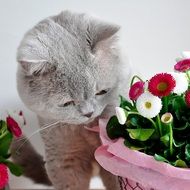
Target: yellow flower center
x=167, y=118
x=162, y=86
x=148, y=105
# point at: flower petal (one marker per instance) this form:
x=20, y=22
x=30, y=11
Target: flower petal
x=13, y=127
x=185, y=54
x=3, y=176
x=161, y=84
x=183, y=65
x=181, y=82
x=136, y=90
x=120, y=113
x=148, y=105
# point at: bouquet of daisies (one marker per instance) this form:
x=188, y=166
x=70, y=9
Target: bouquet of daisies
x=153, y=126
x=8, y=130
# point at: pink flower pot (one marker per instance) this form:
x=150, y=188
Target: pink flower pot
x=137, y=170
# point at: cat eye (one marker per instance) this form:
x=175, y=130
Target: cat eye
x=69, y=103
x=102, y=92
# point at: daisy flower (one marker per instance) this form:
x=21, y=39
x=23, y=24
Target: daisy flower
x=136, y=90
x=13, y=126
x=167, y=118
x=120, y=113
x=185, y=54
x=182, y=65
x=148, y=105
x=181, y=83
x=18, y=117
x=161, y=84
x=187, y=98
x=3, y=176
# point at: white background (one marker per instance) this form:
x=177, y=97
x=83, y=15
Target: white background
x=154, y=33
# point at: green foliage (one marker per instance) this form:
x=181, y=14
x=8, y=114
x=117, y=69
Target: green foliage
x=14, y=168
x=114, y=129
x=6, y=138
x=141, y=134
x=125, y=104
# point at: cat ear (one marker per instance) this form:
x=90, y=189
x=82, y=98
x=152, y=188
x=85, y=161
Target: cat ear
x=99, y=31
x=34, y=67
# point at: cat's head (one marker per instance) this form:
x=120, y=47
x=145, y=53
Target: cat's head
x=69, y=67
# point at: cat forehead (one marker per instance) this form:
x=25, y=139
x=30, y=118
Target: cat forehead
x=57, y=43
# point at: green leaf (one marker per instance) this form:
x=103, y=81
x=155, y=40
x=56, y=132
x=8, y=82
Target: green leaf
x=187, y=152
x=3, y=128
x=134, y=121
x=124, y=103
x=14, y=168
x=160, y=158
x=5, y=143
x=131, y=146
x=140, y=134
x=178, y=103
x=114, y=129
x=180, y=163
x=2, y=159
x=165, y=139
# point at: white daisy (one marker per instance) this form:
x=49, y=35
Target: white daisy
x=184, y=55
x=121, y=116
x=181, y=82
x=148, y=105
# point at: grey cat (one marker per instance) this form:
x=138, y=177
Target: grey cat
x=70, y=73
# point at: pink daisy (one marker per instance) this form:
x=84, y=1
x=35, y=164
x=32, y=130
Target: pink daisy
x=161, y=84
x=136, y=90
x=13, y=127
x=182, y=65
x=3, y=176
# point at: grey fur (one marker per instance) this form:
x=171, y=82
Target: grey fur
x=70, y=58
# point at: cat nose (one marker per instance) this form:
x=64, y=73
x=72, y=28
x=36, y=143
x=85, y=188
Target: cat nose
x=88, y=114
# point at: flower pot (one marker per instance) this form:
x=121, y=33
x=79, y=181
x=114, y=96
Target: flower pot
x=137, y=170
x=127, y=184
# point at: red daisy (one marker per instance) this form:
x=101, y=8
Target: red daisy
x=161, y=84
x=136, y=90
x=187, y=98
x=3, y=176
x=13, y=127
x=182, y=65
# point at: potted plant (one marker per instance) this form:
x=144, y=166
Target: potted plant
x=9, y=129
x=147, y=142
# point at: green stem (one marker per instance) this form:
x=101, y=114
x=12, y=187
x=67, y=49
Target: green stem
x=134, y=77
x=134, y=104
x=4, y=134
x=171, y=139
x=187, y=73
x=165, y=104
x=159, y=124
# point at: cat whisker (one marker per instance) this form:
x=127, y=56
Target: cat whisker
x=26, y=139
